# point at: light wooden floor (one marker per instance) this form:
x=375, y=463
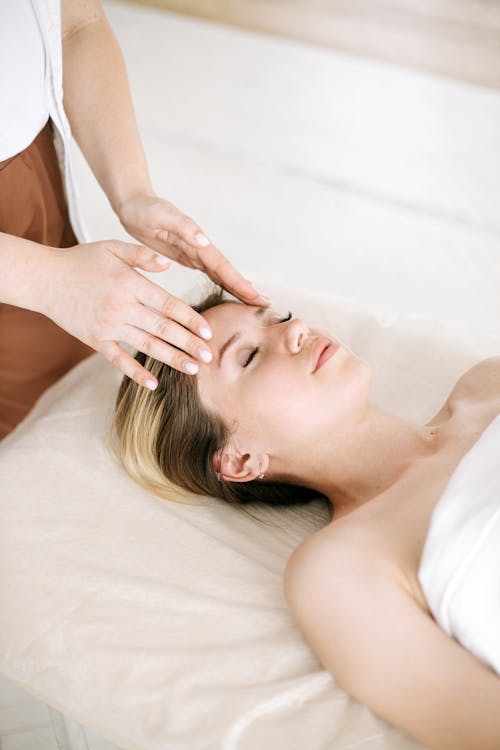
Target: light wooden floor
x=319, y=168
x=26, y=724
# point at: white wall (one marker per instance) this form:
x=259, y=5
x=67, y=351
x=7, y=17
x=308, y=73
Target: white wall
x=317, y=168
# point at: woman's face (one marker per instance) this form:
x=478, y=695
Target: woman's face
x=265, y=383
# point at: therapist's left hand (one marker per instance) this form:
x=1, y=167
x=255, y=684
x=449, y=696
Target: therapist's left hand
x=161, y=226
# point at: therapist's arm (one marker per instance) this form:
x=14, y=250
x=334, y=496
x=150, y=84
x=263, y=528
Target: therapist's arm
x=99, y=107
x=98, y=103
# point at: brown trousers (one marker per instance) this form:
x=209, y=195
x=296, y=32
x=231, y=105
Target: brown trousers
x=34, y=351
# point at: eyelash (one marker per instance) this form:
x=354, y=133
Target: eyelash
x=256, y=349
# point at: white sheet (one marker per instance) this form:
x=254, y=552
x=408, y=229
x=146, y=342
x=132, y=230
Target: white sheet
x=163, y=626
x=460, y=566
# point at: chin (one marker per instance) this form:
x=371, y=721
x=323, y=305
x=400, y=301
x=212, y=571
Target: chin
x=356, y=376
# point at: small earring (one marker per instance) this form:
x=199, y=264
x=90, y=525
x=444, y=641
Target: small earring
x=261, y=473
x=218, y=474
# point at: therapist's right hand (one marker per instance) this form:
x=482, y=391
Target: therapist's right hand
x=94, y=292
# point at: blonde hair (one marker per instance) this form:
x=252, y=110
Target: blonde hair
x=166, y=439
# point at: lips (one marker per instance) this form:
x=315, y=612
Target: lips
x=323, y=349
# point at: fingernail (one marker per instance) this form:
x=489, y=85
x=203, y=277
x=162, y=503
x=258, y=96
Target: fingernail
x=160, y=259
x=202, y=240
x=263, y=296
x=205, y=355
x=206, y=333
x=191, y=368
x=151, y=385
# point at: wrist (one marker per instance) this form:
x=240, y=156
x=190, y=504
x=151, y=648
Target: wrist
x=122, y=196
x=26, y=273
x=44, y=279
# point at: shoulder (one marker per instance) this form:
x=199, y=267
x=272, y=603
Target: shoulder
x=367, y=629
x=479, y=385
x=335, y=565
x=343, y=595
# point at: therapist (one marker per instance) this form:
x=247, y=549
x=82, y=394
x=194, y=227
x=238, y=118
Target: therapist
x=57, y=308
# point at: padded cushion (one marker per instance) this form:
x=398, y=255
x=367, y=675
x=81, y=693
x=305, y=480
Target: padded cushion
x=162, y=625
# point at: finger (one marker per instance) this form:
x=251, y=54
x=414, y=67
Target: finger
x=166, y=248
x=167, y=330
x=212, y=262
x=139, y=256
x=153, y=347
x=220, y=270
x=184, y=227
x=168, y=306
x=120, y=359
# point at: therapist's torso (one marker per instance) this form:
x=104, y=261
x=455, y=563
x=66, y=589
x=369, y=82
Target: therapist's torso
x=23, y=101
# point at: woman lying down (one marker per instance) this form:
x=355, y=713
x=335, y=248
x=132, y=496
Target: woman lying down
x=282, y=415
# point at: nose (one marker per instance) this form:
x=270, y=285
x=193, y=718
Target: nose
x=297, y=332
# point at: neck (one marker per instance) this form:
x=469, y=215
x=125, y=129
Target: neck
x=353, y=466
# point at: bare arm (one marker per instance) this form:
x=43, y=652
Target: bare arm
x=22, y=275
x=385, y=651
x=480, y=384
x=98, y=103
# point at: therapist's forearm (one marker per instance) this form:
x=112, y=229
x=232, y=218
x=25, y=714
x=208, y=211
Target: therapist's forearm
x=24, y=274
x=99, y=107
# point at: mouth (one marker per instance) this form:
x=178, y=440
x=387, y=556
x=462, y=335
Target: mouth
x=323, y=349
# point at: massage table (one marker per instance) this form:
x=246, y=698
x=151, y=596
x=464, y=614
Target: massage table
x=162, y=625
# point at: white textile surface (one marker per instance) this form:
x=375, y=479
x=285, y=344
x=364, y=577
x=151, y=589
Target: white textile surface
x=460, y=565
x=164, y=626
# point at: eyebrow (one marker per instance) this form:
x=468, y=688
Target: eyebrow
x=258, y=314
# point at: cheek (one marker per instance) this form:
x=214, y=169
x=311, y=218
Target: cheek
x=277, y=401
x=349, y=388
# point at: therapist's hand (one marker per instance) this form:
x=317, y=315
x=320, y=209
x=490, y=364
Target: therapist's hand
x=94, y=292
x=160, y=225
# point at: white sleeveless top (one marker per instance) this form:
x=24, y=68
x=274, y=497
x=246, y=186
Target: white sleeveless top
x=23, y=102
x=44, y=15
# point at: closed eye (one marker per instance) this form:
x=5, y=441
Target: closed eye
x=251, y=356
x=254, y=351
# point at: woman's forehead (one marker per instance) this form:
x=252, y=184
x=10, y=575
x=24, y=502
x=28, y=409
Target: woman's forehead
x=238, y=311
x=227, y=310
x=229, y=314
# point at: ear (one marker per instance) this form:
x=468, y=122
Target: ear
x=240, y=467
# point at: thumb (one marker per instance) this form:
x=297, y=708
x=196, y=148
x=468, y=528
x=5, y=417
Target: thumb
x=140, y=256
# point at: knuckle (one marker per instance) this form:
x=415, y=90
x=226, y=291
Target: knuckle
x=221, y=264
x=194, y=348
x=106, y=317
x=192, y=320
x=169, y=307
x=124, y=277
x=162, y=329
x=194, y=323
x=139, y=377
x=146, y=344
x=143, y=254
x=116, y=360
x=187, y=224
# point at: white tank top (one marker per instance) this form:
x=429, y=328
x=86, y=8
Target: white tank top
x=23, y=100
